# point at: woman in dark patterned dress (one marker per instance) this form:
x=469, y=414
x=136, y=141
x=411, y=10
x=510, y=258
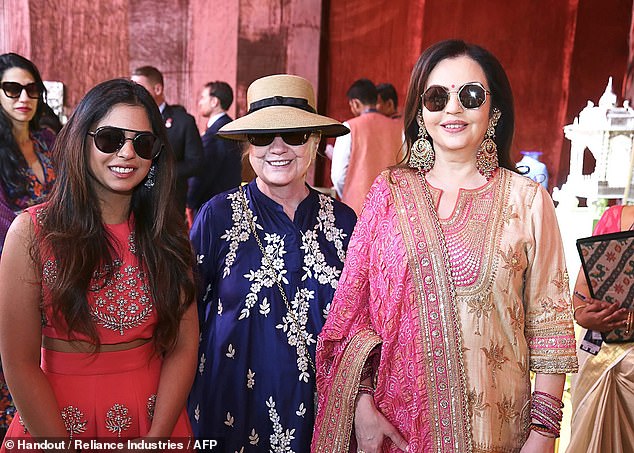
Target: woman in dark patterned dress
x=270, y=255
x=26, y=168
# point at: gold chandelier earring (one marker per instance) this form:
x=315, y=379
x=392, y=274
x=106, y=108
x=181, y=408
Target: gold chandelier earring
x=487, y=157
x=421, y=154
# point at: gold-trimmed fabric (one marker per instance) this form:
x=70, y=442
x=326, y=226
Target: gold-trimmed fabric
x=339, y=410
x=440, y=324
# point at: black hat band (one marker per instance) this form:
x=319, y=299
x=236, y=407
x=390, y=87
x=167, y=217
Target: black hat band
x=298, y=103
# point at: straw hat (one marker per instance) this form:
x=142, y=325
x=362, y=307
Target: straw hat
x=281, y=103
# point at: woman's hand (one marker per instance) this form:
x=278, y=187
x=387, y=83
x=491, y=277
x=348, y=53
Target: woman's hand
x=536, y=443
x=371, y=427
x=600, y=316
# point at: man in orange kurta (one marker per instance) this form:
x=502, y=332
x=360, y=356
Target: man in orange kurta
x=373, y=144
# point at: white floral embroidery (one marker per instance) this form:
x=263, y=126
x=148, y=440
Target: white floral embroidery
x=231, y=352
x=201, y=365
x=326, y=223
x=300, y=340
x=229, y=420
x=239, y=232
x=265, y=307
x=280, y=440
x=254, y=438
x=207, y=292
x=197, y=413
x=265, y=276
x=199, y=259
x=315, y=265
x=219, y=307
x=301, y=411
x=250, y=378
x=326, y=310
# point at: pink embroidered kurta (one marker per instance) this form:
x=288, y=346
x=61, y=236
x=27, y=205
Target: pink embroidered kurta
x=456, y=347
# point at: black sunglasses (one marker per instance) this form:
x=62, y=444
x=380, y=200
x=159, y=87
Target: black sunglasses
x=471, y=96
x=110, y=139
x=13, y=90
x=290, y=138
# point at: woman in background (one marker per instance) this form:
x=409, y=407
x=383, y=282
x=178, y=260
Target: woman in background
x=603, y=391
x=105, y=285
x=26, y=167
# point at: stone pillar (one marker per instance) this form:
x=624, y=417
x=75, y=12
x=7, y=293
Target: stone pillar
x=628, y=83
x=158, y=31
x=73, y=42
x=213, y=46
x=15, y=27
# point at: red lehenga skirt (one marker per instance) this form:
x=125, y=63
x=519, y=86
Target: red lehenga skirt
x=108, y=396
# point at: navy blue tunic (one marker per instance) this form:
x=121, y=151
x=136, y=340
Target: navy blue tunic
x=254, y=388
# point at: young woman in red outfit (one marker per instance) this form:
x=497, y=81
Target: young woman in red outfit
x=102, y=273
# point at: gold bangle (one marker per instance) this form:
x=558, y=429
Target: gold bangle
x=574, y=312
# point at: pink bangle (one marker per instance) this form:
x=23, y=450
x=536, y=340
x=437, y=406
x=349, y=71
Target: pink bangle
x=549, y=397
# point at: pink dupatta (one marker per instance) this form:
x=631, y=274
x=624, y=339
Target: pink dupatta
x=395, y=291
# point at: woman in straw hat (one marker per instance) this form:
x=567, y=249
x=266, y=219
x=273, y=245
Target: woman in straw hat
x=270, y=255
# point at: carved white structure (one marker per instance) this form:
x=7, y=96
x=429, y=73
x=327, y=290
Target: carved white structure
x=607, y=131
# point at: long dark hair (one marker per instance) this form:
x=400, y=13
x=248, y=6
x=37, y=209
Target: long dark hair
x=12, y=162
x=72, y=222
x=501, y=94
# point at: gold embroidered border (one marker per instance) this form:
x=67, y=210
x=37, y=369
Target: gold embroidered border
x=439, y=319
x=338, y=418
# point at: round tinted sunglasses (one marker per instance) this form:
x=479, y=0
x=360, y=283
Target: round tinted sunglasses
x=110, y=139
x=471, y=96
x=13, y=90
x=290, y=138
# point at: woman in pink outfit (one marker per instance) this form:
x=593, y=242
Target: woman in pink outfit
x=102, y=273
x=454, y=288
